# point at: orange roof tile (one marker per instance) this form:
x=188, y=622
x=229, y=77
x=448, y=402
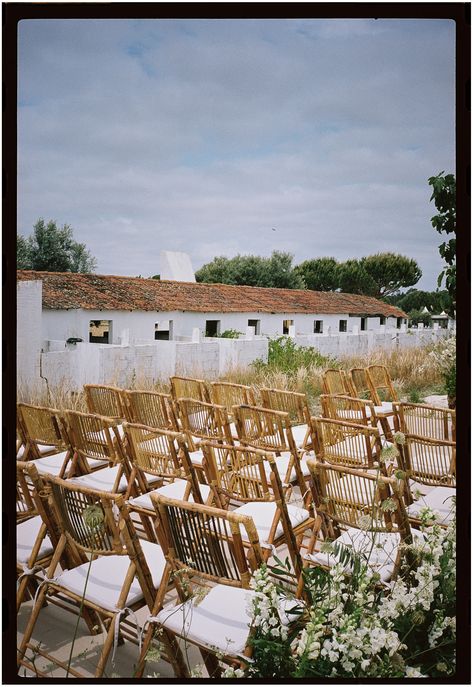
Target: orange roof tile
x=70, y=291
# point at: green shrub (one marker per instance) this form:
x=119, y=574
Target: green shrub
x=229, y=334
x=286, y=356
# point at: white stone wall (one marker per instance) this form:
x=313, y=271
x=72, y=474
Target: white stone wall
x=340, y=345
x=29, y=335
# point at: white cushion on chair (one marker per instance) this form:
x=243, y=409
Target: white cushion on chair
x=102, y=480
x=439, y=499
x=299, y=433
x=175, y=490
x=20, y=453
x=26, y=534
x=221, y=616
x=50, y=464
x=263, y=513
x=385, y=407
x=107, y=575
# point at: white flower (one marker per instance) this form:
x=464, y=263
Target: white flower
x=413, y=672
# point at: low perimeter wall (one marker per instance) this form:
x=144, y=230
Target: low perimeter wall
x=73, y=365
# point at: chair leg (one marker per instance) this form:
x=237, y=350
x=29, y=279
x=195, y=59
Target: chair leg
x=212, y=664
x=107, y=647
x=175, y=655
x=144, y=651
x=31, y=623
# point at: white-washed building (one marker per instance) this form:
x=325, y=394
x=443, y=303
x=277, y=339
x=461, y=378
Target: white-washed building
x=111, y=309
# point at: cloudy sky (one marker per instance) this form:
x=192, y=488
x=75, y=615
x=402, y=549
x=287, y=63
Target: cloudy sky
x=201, y=136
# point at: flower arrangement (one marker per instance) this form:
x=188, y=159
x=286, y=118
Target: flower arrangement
x=443, y=359
x=352, y=626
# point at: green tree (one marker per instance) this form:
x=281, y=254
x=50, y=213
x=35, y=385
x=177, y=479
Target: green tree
x=53, y=249
x=389, y=272
x=415, y=299
x=416, y=316
x=320, y=274
x=445, y=222
x=252, y=270
x=353, y=278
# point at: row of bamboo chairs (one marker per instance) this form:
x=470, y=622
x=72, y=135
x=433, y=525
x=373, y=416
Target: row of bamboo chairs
x=216, y=458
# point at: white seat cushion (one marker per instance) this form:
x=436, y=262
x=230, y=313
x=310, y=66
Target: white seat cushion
x=219, y=621
x=263, y=513
x=175, y=490
x=282, y=464
x=382, y=556
x=20, y=453
x=439, y=499
x=107, y=575
x=299, y=433
x=50, y=464
x=385, y=407
x=102, y=480
x=26, y=535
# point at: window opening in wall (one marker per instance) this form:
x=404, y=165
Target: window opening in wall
x=382, y=320
x=100, y=331
x=318, y=327
x=212, y=327
x=399, y=321
x=285, y=326
x=163, y=330
x=255, y=324
x=342, y=325
x=364, y=324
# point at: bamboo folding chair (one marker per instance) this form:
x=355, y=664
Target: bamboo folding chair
x=334, y=381
x=228, y=394
x=238, y=475
x=363, y=387
x=150, y=408
x=427, y=421
x=34, y=547
x=115, y=572
x=430, y=466
x=188, y=387
x=270, y=430
x=351, y=504
x=296, y=405
x=160, y=463
x=211, y=554
x=45, y=440
x=348, y=444
x=97, y=444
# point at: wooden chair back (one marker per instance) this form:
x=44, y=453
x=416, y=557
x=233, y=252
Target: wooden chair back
x=42, y=427
x=381, y=382
x=237, y=473
x=343, y=495
x=347, y=409
x=150, y=408
x=430, y=461
x=203, y=420
x=345, y=443
x=334, y=381
x=105, y=400
x=361, y=385
x=27, y=480
x=154, y=450
x=207, y=541
x=188, y=387
x=291, y=402
x=228, y=394
x=93, y=436
x=426, y=421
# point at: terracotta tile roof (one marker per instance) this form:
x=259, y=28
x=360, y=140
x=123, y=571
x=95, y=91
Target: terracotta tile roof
x=66, y=290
